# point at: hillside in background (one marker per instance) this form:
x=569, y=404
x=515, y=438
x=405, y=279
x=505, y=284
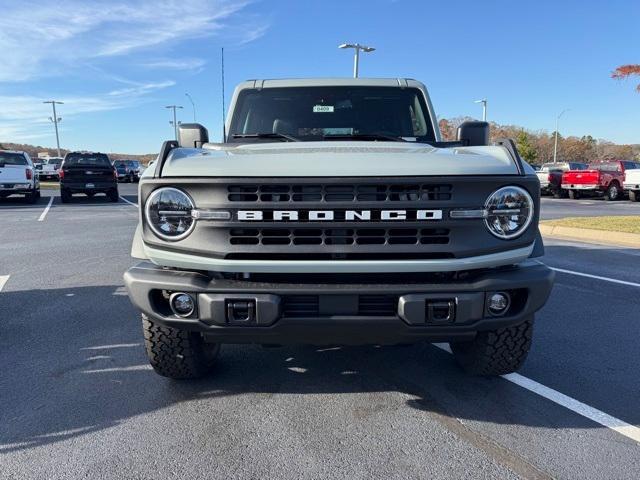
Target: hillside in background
x=33, y=151
x=535, y=147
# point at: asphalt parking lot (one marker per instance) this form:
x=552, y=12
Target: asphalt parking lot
x=78, y=399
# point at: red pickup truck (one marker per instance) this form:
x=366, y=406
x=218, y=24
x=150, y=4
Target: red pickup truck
x=606, y=178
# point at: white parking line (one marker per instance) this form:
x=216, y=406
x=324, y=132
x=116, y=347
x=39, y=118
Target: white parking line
x=3, y=281
x=130, y=203
x=117, y=345
x=604, y=419
x=596, y=277
x=46, y=210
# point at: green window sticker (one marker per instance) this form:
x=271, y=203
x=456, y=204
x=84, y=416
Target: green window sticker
x=323, y=109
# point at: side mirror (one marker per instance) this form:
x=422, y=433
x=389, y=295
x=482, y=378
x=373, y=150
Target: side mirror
x=192, y=135
x=473, y=134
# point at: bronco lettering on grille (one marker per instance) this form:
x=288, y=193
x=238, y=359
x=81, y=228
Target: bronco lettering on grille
x=338, y=215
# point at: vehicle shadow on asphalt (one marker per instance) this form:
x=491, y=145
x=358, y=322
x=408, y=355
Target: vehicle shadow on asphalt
x=80, y=200
x=74, y=364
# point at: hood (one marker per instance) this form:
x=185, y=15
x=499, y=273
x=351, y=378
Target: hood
x=330, y=159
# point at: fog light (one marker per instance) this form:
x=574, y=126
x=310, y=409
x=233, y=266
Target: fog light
x=182, y=304
x=498, y=303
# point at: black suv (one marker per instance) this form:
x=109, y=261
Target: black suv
x=88, y=173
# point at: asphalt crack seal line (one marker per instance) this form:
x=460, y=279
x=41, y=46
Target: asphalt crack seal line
x=576, y=406
x=500, y=454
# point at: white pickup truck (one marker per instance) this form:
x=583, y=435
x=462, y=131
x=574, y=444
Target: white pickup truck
x=632, y=184
x=18, y=176
x=49, y=168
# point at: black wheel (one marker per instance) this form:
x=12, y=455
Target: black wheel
x=65, y=196
x=177, y=353
x=613, y=192
x=574, y=195
x=634, y=196
x=31, y=197
x=113, y=196
x=495, y=352
x=559, y=193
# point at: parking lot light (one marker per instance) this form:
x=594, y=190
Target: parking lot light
x=555, y=143
x=356, y=56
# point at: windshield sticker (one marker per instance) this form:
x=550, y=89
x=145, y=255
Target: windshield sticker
x=323, y=109
x=337, y=131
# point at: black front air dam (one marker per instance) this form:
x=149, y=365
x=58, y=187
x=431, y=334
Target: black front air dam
x=337, y=319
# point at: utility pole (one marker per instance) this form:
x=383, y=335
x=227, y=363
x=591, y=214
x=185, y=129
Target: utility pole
x=356, y=56
x=555, y=143
x=484, y=108
x=55, y=121
x=175, y=122
x=193, y=105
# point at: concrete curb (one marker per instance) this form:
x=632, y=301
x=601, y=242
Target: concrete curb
x=593, y=236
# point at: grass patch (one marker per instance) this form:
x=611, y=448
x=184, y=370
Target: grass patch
x=630, y=224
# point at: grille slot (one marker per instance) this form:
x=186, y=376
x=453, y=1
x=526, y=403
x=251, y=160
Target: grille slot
x=377, y=305
x=300, y=306
x=338, y=236
x=368, y=305
x=285, y=193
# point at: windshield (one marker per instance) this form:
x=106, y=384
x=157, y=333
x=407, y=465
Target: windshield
x=86, y=160
x=317, y=113
x=7, y=158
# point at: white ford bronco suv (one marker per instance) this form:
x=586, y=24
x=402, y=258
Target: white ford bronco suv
x=332, y=213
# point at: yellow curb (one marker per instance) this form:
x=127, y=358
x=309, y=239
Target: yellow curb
x=623, y=239
x=49, y=185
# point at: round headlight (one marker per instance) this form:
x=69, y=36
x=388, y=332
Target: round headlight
x=168, y=212
x=509, y=212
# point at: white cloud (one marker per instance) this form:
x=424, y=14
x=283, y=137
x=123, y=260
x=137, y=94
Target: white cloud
x=42, y=38
x=178, y=64
x=25, y=117
x=115, y=39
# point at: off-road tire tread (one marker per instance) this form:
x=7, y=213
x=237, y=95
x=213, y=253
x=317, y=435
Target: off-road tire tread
x=175, y=353
x=495, y=352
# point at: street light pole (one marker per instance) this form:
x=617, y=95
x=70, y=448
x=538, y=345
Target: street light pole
x=555, y=143
x=193, y=105
x=55, y=121
x=484, y=108
x=175, y=122
x=356, y=56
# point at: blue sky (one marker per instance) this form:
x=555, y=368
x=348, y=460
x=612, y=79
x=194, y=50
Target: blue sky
x=117, y=63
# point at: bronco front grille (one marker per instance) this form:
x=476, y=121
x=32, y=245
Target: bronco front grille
x=338, y=236
x=278, y=193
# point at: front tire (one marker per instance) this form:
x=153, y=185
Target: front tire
x=177, y=354
x=495, y=352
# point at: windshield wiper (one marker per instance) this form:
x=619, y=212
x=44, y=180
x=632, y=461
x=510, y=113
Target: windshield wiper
x=364, y=136
x=282, y=136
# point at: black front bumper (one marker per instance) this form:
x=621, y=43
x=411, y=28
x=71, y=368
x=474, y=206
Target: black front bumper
x=334, y=312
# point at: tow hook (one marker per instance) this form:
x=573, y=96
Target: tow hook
x=241, y=312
